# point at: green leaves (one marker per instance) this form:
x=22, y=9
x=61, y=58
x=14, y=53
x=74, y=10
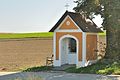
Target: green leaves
x=89, y=6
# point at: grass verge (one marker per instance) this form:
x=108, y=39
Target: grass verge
x=25, y=35
x=98, y=68
x=37, y=69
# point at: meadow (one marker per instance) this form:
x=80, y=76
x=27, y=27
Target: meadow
x=102, y=34
x=25, y=35
x=31, y=35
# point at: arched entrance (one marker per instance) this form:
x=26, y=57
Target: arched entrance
x=68, y=50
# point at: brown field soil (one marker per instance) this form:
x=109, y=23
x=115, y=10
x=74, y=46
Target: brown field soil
x=18, y=54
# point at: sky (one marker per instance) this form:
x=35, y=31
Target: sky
x=31, y=15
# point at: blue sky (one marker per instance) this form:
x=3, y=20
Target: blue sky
x=31, y=15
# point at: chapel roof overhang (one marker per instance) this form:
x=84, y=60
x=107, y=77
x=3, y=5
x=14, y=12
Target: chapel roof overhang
x=86, y=25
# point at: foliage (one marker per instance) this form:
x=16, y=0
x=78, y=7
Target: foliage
x=98, y=68
x=25, y=35
x=89, y=7
x=37, y=69
x=109, y=9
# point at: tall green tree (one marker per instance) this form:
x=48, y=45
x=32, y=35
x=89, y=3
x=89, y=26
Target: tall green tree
x=110, y=11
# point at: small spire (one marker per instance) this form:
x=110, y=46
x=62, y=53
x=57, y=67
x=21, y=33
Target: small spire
x=67, y=6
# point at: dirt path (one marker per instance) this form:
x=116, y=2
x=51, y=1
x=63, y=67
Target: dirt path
x=57, y=76
x=16, y=54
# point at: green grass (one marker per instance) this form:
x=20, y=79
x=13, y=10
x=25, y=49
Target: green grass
x=98, y=68
x=37, y=69
x=25, y=35
x=31, y=35
x=102, y=34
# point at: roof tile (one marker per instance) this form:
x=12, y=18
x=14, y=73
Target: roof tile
x=85, y=26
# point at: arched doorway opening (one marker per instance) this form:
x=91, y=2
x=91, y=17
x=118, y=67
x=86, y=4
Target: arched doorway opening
x=68, y=50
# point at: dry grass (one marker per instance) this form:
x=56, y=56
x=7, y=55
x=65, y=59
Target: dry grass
x=18, y=54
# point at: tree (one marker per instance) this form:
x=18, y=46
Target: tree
x=110, y=10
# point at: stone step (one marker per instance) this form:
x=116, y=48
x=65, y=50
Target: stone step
x=63, y=67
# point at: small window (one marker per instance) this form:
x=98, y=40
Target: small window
x=72, y=45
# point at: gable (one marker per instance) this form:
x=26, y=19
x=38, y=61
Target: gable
x=79, y=23
x=68, y=24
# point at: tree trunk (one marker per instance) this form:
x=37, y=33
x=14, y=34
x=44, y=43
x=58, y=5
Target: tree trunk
x=111, y=22
x=112, y=16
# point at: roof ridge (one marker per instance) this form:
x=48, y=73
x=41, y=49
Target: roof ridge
x=72, y=12
x=77, y=18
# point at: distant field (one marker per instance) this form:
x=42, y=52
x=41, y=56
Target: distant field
x=31, y=35
x=25, y=35
x=103, y=34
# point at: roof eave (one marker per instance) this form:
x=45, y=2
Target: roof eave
x=59, y=21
